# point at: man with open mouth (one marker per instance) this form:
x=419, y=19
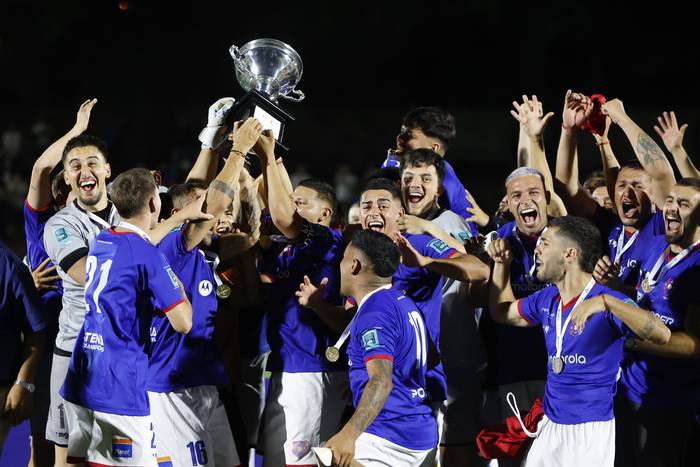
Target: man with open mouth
x=660, y=384
x=638, y=187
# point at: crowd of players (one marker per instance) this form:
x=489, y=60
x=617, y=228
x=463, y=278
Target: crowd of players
x=155, y=326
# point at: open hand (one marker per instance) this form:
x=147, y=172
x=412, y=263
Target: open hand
x=529, y=115
x=83, y=118
x=409, y=256
x=577, y=110
x=670, y=133
x=309, y=295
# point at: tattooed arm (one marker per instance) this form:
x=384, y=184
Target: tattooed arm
x=647, y=151
x=374, y=396
x=682, y=344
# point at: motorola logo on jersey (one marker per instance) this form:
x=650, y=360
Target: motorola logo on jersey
x=574, y=359
x=93, y=341
x=205, y=288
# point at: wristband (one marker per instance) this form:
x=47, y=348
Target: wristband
x=28, y=386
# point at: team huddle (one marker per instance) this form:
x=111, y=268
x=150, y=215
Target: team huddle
x=234, y=313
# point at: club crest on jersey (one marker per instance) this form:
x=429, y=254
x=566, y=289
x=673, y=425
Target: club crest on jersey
x=668, y=286
x=205, y=288
x=370, y=339
x=463, y=236
x=438, y=245
x=301, y=448
x=61, y=234
x=122, y=448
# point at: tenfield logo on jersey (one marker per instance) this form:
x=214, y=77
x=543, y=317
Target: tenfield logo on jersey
x=93, y=341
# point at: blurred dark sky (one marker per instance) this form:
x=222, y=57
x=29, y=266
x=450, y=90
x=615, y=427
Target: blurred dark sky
x=157, y=66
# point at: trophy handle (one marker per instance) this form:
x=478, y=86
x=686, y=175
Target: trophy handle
x=235, y=52
x=296, y=98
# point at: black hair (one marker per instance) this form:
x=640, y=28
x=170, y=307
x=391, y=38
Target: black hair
x=424, y=158
x=634, y=165
x=690, y=182
x=82, y=141
x=380, y=183
x=585, y=235
x=434, y=122
x=324, y=191
x=380, y=251
x=179, y=192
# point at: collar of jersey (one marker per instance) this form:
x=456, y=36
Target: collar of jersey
x=384, y=287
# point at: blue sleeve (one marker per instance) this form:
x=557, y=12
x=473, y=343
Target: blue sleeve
x=162, y=281
x=530, y=308
x=173, y=245
x=432, y=247
x=616, y=322
x=315, y=240
x=34, y=222
x=20, y=294
x=377, y=331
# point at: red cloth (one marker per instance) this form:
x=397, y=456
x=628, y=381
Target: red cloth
x=508, y=440
x=596, y=124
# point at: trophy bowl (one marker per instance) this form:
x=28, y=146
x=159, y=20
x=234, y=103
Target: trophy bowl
x=270, y=67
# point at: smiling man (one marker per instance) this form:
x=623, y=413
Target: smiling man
x=67, y=237
x=660, y=384
x=578, y=427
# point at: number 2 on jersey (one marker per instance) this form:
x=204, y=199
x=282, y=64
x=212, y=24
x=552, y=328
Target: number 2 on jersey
x=90, y=269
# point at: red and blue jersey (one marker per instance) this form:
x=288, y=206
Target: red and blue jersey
x=583, y=392
x=178, y=361
x=34, y=222
x=296, y=335
x=665, y=383
x=127, y=280
x=389, y=325
x=425, y=289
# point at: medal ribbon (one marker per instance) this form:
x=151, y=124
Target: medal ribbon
x=561, y=331
x=346, y=332
x=531, y=272
x=620, y=250
x=127, y=225
x=655, y=275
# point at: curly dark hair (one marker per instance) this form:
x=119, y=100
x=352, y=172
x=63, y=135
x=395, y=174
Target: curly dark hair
x=381, y=252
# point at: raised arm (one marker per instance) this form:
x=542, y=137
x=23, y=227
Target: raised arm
x=205, y=166
x=39, y=194
x=577, y=110
x=533, y=122
x=672, y=136
x=610, y=164
x=647, y=151
x=502, y=303
x=222, y=190
x=417, y=225
x=279, y=199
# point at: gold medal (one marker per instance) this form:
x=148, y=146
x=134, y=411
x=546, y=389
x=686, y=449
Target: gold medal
x=557, y=365
x=332, y=354
x=646, y=285
x=223, y=291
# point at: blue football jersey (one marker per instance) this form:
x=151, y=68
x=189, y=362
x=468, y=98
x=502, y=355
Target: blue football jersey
x=296, y=335
x=127, y=280
x=425, y=289
x=454, y=197
x=178, y=361
x=583, y=392
x=34, y=222
x=665, y=383
x=390, y=326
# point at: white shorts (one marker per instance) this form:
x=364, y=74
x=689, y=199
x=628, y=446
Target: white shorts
x=108, y=439
x=302, y=410
x=192, y=428
x=373, y=451
x=57, y=424
x=580, y=445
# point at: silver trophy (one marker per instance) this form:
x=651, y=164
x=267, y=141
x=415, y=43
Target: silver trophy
x=268, y=70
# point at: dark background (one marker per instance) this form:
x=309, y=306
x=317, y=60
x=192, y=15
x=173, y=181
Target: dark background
x=157, y=66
